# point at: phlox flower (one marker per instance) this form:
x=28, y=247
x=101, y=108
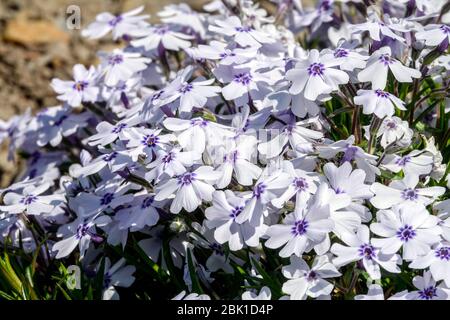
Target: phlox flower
x=160, y=37
x=197, y=133
x=187, y=95
x=83, y=88
x=393, y=130
x=359, y=248
x=403, y=191
x=121, y=66
x=268, y=187
x=189, y=189
x=57, y=123
x=308, y=282
x=377, y=67
x=411, y=228
x=237, y=159
x=434, y=35
x=243, y=35
x=226, y=207
x=316, y=75
x=31, y=200
x=438, y=262
x=117, y=275
x=120, y=25
x=79, y=233
x=415, y=163
x=303, y=185
x=427, y=287
x=299, y=137
x=378, y=102
x=301, y=230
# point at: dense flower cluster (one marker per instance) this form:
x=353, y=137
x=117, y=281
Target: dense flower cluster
x=233, y=154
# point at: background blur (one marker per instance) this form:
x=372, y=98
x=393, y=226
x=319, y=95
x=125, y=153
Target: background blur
x=36, y=46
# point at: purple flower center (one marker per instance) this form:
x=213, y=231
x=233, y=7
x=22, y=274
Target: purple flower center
x=119, y=128
x=186, y=178
x=115, y=59
x=106, y=199
x=443, y=253
x=147, y=202
x=236, y=211
x=428, y=293
x=150, y=140
x=168, y=157
x=199, y=122
x=243, y=29
x=187, y=87
x=339, y=190
x=391, y=125
x=406, y=233
x=259, y=190
x=80, y=85
x=161, y=30
x=409, y=194
x=110, y=157
x=299, y=228
x=386, y=59
x=382, y=94
x=311, y=275
x=29, y=199
x=366, y=251
x=82, y=230
x=340, y=53
x=316, y=69
x=243, y=78
x=403, y=161
x=349, y=153
x=300, y=184
x=227, y=53
x=445, y=29
x=232, y=157
x=114, y=22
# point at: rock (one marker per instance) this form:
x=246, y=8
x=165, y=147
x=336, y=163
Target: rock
x=30, y=32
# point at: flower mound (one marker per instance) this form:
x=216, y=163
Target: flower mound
x=302, y=154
